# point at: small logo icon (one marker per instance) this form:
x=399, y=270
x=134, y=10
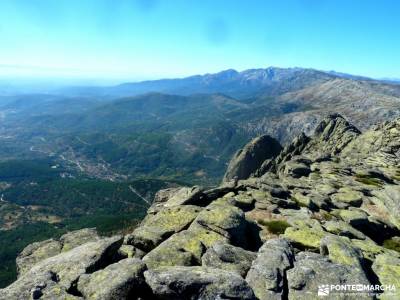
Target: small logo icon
x=323, y=290
x=359, y=288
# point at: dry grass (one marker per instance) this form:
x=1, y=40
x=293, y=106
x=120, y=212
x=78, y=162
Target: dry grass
x=368, y=180
x=274, y=226
x=392, y=244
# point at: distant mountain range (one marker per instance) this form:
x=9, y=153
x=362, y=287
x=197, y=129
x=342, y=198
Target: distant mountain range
x=232, y=83
x=244, y=84
x=390, y=80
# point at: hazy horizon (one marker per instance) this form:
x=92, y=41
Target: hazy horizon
x=48, y=82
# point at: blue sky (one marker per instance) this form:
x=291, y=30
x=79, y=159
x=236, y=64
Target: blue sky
x=143, y=39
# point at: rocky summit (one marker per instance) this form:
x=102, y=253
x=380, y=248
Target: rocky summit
x=288, y=223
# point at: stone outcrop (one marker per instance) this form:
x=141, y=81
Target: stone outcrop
x=323, y=211
x=332, y=135
x=197, y=283
x=247, y=160
x=122, y=280
x=227, y=257
x=58, y=275
x=312, y=270
x=39, y=251
x=267, y=275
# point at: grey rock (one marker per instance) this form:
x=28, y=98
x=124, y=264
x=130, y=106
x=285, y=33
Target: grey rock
x=387, y=268
x=347, y=197
x=312, y=270
x=338, y=191
x=389, y=198
x=76, y=238
x=183, y=249
x=161, y=197
x=121, y=280
x=197, y=283
x=146, y=238
x=267, y=165
x=226, y=220
x=129, y=251
x=368, y=225
x=342, y=228
x=36, y=252
x=177, y=196
x=295, y=148
x=243, y=200
x=57, y=275
x=312, y=200
x=380, y=144
x=229, y=258
x=353, y=216
x=267, y=274
x=220, y=191
x=331, y=136
x=187, y=196
x=164, y=195
x=156, y=228
x=295, y=169
x=340, y=250
x=247, y=160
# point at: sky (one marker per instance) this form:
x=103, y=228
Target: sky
x=149, y=39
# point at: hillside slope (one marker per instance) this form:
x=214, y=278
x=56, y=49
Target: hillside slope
x=325, y=211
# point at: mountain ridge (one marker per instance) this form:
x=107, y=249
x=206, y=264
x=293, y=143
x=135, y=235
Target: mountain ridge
x=230, y=82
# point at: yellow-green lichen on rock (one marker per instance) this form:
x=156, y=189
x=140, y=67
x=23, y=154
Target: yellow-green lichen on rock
x=341, y=250
x=348, y=197
x=343, y=229
x=370, y=249
x=243, y=200
x=351, y=215
x=206, y=236
x=173, y=218
x=36, y=252
x=183, y=196
x=59, y=293
x=260, y=196
x=170, y=255
x=217, y=222
x=184, y=248
x=120, y=280
x=302, y=200
x=389, y=199
x=76, y=238
x=127, y=251
x=156, y=228
x=305, y=236
x=387, y=268
x=226, y=220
